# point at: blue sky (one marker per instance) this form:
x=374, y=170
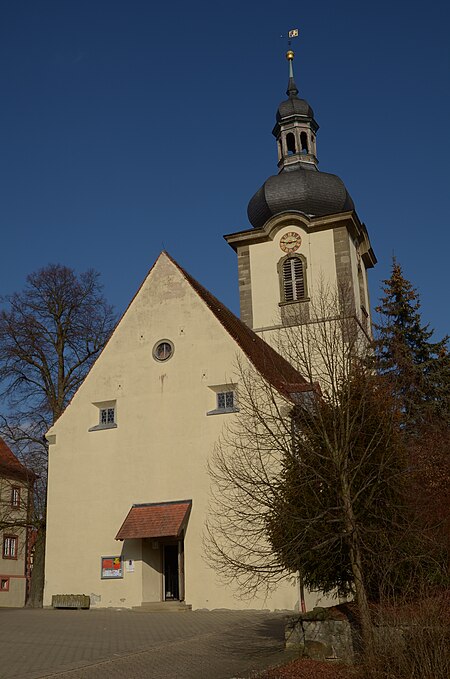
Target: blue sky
x=128, y=127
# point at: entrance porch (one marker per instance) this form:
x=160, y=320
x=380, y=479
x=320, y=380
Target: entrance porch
x=161, y=529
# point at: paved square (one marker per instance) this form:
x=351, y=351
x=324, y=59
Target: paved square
x=109, y=643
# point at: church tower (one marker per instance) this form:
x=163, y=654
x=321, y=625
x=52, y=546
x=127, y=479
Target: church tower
x=305, y=235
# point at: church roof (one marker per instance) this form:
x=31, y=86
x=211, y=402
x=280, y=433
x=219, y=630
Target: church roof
x=299, y=190
x=273, y=367
x=294, y=106
x=10, y=465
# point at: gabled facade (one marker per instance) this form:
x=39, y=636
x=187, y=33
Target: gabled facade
x=16, y=487
x=128, y=482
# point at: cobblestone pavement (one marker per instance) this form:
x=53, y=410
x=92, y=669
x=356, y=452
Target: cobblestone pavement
x=100, y=644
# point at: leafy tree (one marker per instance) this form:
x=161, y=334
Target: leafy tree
x=342, y=516
x=429, y=464
x=417, y=367
x=50, y=335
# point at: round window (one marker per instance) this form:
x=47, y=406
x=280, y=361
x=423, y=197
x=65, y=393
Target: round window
x=163, y=350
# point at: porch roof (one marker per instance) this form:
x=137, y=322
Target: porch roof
x=155, y=520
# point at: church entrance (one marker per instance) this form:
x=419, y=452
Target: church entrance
x=173, y=570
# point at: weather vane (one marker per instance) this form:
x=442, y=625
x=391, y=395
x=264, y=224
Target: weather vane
x=291, y=34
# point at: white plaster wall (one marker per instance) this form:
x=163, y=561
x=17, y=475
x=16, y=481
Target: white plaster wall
x=317, y=248
x=151, y=572
x=157, y=453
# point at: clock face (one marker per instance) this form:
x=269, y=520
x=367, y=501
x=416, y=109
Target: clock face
x=290, y=242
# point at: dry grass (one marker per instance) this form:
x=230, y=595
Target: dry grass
x=413, y=640
x=310, y=669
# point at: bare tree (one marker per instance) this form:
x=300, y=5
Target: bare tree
x=50, y=335
x=315, y=482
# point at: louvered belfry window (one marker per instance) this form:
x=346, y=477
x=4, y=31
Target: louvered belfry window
x=293, y=279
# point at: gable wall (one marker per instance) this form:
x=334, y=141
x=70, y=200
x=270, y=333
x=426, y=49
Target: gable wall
x=157, y=453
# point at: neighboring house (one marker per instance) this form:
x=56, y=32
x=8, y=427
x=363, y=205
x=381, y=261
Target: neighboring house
x=16, y=487
x=128, y=484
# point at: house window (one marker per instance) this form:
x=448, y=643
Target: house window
x=4, y=584
x=293, y=279
x=107, y=416
x=15, y=497
x=10, y=546
x=225, y=400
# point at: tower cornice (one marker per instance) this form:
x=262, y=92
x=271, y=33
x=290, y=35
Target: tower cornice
x=350, y=220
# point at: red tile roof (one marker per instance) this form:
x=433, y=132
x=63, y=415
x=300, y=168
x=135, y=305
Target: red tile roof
x=156, y=520
x=10, y=465
x=273, y=367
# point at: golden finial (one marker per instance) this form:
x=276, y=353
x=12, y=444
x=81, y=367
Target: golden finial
x=290, y=55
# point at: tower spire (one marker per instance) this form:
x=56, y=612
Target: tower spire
x=292, y=89
x=295, y=129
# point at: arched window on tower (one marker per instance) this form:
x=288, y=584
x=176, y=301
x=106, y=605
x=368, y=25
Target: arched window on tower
x=293, y=279
x=304, y=142
x=290, y=144
x=362, y=292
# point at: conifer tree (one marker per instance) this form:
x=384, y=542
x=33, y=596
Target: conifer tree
x=418, y=368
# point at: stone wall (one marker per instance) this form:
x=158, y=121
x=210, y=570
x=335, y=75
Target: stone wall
x=324, y=634
x=333, y=634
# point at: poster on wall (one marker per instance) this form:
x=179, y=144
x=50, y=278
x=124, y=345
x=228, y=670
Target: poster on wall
x=112, y=567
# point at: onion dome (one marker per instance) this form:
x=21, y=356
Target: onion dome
x=294, y=106
x=298, y=190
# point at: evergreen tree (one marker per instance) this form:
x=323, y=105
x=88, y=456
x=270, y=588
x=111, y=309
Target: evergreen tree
x=418, y=367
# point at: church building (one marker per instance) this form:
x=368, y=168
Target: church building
x=128, y=485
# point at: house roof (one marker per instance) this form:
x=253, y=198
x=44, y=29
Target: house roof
x=10, y=465
x=273, y=367
x=155, y=520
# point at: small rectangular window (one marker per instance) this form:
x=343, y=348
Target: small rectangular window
x=107, y=415
x=225, y=400
x=4, y=584
x=15, y=497
x=10, y=546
